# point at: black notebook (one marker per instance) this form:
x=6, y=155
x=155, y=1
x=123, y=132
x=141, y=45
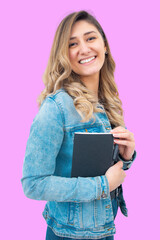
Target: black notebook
x=92, y=154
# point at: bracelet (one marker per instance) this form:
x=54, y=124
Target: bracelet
x=127, y=160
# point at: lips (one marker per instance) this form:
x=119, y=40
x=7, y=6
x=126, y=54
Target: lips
x=86, y=60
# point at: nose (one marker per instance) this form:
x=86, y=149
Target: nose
x=84, y=48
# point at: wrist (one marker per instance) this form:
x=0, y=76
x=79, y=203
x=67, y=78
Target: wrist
x=127, y=160
x=109, y=182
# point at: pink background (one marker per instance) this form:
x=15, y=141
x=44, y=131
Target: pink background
x=27, y=31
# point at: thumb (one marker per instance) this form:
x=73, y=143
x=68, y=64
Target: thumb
x=119, y=164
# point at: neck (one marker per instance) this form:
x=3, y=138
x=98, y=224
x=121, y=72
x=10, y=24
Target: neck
x=92, y=83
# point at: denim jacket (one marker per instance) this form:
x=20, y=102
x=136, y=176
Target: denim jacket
x=76, y=207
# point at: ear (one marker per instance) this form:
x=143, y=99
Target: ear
x=105, y=49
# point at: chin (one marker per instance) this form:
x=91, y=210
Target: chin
x=89, y=72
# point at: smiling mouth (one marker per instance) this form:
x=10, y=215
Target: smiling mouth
x=87, y=60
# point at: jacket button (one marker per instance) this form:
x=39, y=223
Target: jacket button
x=108, y=206
x=103, y=195
x=109, y=229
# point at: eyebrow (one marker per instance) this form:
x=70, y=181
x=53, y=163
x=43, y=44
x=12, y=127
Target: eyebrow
x=83, y=34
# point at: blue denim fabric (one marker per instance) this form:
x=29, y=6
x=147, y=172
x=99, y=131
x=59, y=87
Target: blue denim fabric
x=50, y=235
x=75, y=207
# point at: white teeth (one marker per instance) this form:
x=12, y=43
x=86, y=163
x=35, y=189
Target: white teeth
x=87, y=60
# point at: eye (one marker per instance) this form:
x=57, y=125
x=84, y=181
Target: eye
x=72, y=44
x=91, y=38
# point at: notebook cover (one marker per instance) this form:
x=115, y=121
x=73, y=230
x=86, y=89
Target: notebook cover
x=92, y=154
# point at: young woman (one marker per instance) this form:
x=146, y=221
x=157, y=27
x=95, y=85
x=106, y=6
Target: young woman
x=80, y=95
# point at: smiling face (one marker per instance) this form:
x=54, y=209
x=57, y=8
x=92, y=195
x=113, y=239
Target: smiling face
x=86, y=49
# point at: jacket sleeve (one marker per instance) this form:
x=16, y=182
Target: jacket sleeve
x=39, y=181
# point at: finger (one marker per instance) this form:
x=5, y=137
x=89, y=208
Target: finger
x=120, y=164
x=118, y=129
x=124, y=142
x=129, y=134
x=125, y=135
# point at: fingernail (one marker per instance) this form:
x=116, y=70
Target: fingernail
x=115, y=135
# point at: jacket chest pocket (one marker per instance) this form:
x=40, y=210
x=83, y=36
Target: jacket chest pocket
x=96, y=128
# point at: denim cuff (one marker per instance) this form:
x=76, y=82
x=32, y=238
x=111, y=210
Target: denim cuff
x=127, y=163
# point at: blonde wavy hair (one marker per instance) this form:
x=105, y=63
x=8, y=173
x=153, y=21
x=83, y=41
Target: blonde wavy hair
x=59, y=74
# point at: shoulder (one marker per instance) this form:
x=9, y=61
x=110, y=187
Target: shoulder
x=60, y=97
x=51, y=107
x=60, y=103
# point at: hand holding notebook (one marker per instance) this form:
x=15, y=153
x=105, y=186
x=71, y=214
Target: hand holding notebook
x=93, y=155
x=115, y=175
